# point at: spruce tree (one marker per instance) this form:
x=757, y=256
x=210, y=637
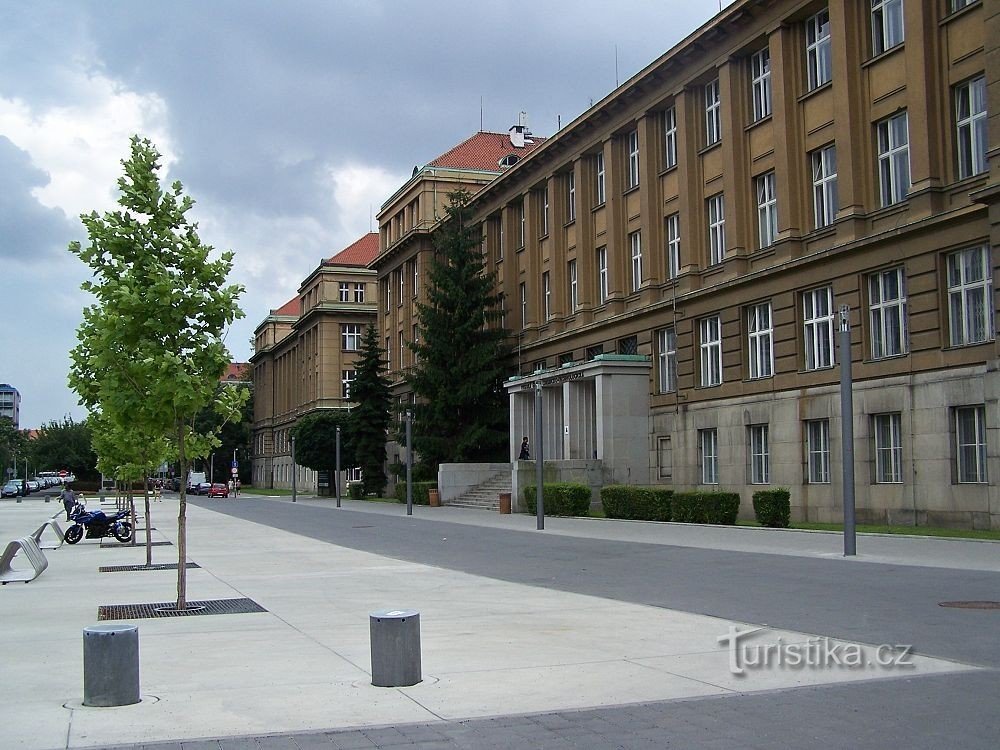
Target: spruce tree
x=370, y=417
x=461, y=410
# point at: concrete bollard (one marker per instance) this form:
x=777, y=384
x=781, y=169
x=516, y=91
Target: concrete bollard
x=395, y=643
x=110, y=665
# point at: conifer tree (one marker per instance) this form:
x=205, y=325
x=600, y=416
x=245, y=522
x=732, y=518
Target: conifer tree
x=461, y=410
x=370, y=417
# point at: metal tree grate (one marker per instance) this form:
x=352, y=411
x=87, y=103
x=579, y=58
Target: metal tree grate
x=109, y=544
x=971, y=605
x=130, y=568
x=166, y=609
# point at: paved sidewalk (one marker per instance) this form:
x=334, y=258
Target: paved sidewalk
x=548, y=659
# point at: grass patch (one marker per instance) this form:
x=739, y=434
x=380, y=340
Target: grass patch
x=989, y=535
x=264, y=491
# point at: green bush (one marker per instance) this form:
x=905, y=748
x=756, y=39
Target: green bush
x=636, y=503
x=356, y=491
x=705, y=507
x=773, y=507
x=561, y=499
x=420, y=490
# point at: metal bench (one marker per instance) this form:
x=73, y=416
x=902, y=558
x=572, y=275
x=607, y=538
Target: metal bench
x=32, y=554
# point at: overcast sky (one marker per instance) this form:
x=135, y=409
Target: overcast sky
x=288, y=122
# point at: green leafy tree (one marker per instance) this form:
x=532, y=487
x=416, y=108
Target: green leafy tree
x=316, y=441
x=234, y=434
x=66, y=445
x=151, y=348
x=12, y=447
x=461, y=412
x=370, y=417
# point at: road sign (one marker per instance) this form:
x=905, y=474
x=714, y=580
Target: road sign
x=235, y=471
x=235, y=465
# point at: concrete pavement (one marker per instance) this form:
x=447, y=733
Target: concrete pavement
x=491, y=646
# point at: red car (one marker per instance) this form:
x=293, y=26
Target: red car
x=218, y=490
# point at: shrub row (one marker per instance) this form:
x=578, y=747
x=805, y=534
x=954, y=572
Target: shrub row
x=772, y=507
x=561, y=499
x=636, y=503
x=420, y=490
x=705, y=507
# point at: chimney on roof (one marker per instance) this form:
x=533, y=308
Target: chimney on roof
x=519, y=134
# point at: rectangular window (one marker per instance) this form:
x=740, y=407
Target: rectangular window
x=818, y=451
x=716, y=229
x=416, y=276
x=817, y=315
x=887, y=25
x=818, y=60
x=708, y=456
x=414, y=339
x=401, y=283
x=574, y=294
x=359, y=293
x=521, y=222
x=545, y=211
x=602, y=274
x=522, y=291
x=970, y=295
x=346, y=378
x=633, y=159
x=628, y=345
x=760, y=74
x=571, y=196
x=500, y=239
x=760, y=460
x=824, y=179
x=887, y=309
x=957, y=5
x=970, y=443
x=894, y=158
x=713, y=113
x=350, y=336
x=673, y=245
x=595, y=351
x=547, y=295
x=767, y=209
x=402, y=350
x=760, y=337
x=666, y=360
x=711, y=350
x=599, y=176
x=665, y=458
x=888, y=448
x=345, y=291
x=387, y=294
x=970, y=120
x=635, y=242
x=670, y=136
x=388, y=353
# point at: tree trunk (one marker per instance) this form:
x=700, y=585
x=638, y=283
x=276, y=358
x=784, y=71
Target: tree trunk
x=149, y=541
x=182, y=525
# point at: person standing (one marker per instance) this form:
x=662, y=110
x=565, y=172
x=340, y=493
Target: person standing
x=524, y=455
x=68, y=500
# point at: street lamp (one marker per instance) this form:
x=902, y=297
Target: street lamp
x=539, y=479
x=847, y=430
x=336, y=474
x=293, y=469
x=409, y=462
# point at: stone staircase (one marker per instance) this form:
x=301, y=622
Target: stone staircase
x=485, y=496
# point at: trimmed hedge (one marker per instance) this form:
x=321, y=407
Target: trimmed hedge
x=420, y=490
x=636, y=503
x=705, y=507
x=561, y=499
x=356, y=491
x=773, y=507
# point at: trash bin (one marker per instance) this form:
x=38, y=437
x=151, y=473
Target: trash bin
x=395, y=644
x=505, y=502
x=111, y=665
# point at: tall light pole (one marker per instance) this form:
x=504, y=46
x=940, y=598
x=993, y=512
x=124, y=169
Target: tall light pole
x=409, y=462
x=336, y=475
x=847, y=430
x=539, y=449
x=293, y=469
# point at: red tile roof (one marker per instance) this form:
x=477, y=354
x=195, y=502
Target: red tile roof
x=361, y=253
x=236, y=371
x=292, y=307
x=483, y=151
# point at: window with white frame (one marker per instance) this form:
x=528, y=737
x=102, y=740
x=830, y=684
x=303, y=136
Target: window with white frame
x=571, y=196
x=760, y=341
x=416, y=276
x=716, y=229
x=359, y=293
x=633, y=159
x=888, y=439
x=767, y=209
x=970, y=120
x=818, y=61
x=346, y=378
x=970, y=295
x=666, y=360
x=414, y=340
x=760, y=75
x=708, y=456
x=547, y=295
x=635, y=243
x=599, y=177
x=350, y=336
x=887, y=312
x=388, y=354
x=673, y=245
x=521, y=218
x=887, y=25
x=957, y=5
x=387, y=294
x=500, y=238
x=711, y=350
x=602, y=274
x=522, y=291
x=817, y=315
x=713, y=113
x=402, y=350
x=758, y=451
x=818, y=451
x=345, y=291
x=670, y=136
x=970, y=444
x=894, y=158
x=824, y=180
x=574, y=293
x=401, y=282
x=545, y=211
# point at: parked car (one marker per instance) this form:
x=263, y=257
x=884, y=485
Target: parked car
x=11, y=489
x=218, y=490
x=33, y=486
x=202, y=488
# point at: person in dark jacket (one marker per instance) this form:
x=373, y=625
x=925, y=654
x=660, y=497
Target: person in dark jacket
x=68, y=500
x=524, y=455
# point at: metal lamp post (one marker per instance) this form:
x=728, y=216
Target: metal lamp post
x=539, y=479
x=847, y=430
x=336, y=474
x=294, y=489
x=409, y=462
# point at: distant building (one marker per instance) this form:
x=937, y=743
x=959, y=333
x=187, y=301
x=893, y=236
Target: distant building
x=10, y=404
x=237, y=372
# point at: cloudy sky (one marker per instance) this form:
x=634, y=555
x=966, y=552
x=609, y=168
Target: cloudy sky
x=288, y=122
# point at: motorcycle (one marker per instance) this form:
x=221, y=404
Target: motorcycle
x=97, y=525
